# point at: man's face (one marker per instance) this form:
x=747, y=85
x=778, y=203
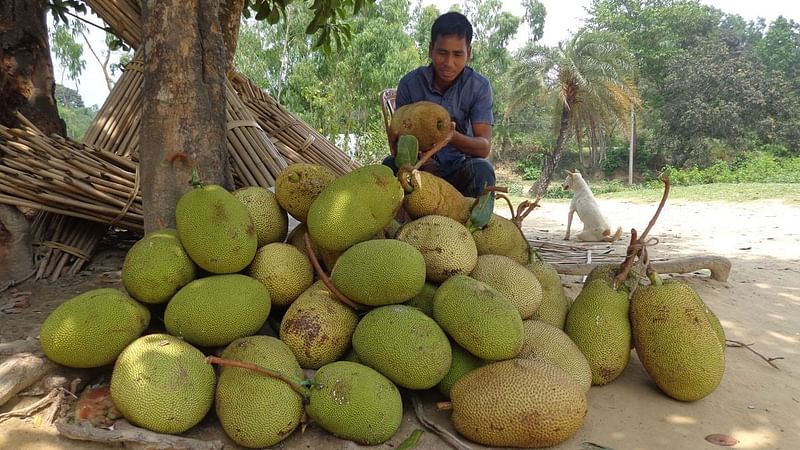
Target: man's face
x=449, y=54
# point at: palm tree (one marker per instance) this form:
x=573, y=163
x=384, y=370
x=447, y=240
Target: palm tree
x=587, y=79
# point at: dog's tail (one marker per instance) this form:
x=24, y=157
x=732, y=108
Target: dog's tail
x=615, y=236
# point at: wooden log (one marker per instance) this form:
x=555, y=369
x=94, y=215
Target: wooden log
x=20, y=371
x=132, y=437
x=719, y=266
x=26, y=345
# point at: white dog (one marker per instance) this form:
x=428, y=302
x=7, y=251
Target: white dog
x=595, y=226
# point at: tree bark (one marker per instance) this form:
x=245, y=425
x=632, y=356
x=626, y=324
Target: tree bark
x=549, y=167
x=27, y=83
x=16, y=251
x=183, y=104
x=230, y=15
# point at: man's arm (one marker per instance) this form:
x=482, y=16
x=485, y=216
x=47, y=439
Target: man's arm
x=479, y=145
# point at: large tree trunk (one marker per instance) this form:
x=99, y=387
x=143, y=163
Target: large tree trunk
x=183, y=112
x=27, y=83
x=230, y=16
x=551, y=162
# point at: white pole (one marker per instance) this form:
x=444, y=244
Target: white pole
x=630, y=149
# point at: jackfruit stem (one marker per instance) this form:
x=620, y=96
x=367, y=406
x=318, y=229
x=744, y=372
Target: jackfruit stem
x=296, y=384
x=653, y=276
x=324, y=276
x=439, y=145
x=444, y=406
x=195, y=181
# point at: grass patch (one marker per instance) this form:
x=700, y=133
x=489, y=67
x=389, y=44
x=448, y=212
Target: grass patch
x=715, y=192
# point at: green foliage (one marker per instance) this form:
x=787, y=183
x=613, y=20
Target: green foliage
x=77, y=120
x=529, y=170
x=752, y=167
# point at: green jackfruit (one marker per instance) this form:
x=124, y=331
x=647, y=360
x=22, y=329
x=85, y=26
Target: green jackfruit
x=354, y=207
x=502, y=237
x=299, y=184
x=555, y=302
x=518, y=284
x=547, y=342
x=463, y=363
x=446, y=245
x=269, y=219
x=156, y=267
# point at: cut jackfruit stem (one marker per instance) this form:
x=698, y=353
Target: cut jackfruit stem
x=296, y=384
x=195, y=181
x=324, y=276
x=444, y=406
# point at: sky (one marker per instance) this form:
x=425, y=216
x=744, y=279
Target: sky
x=563, y=18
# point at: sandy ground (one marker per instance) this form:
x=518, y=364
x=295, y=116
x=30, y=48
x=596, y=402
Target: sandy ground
x=759, y=304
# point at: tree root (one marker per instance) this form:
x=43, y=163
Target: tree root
x=132, y=437
x=21, y=371
x=26, y=345
x=719, y=266
x=435, y=428
x=732, y=343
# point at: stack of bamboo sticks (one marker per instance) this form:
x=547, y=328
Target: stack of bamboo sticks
x=123, y=16
x=295, y=140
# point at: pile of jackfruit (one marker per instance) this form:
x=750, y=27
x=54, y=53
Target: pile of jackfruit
x=369, y=307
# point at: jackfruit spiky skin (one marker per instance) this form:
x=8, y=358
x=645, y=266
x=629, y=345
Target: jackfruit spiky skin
x=215, y=310
x=156, y=267
x=502, y=237
x=269, y=218
x=299, y=184
x=675, y=341
x=598, y=323
x=547, y=342
x=215, y=229
x=258, y=411
x=162, y=383
x=518, y=284
x=555, y=302
x=432, y=195
x=403, y=344
x=518, y=403
x=355, y=402
x=463, y=363
x=446, y=245
x=354, y=207
x=429, y=122
x=379, y=272
x=424, y=299
x=478, y=318
x=284, y=270
x=92, y=328
x=318, y=327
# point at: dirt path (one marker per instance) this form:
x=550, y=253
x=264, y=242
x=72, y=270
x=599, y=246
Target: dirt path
x=759, y=305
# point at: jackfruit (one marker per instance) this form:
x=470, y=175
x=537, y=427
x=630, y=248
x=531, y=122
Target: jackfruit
x=555, y=302
x=427, y=194
x=317, y=327
x=163, y=384
x=215, y=229
x=403, y=344
x=463, y=363
x=502, y=237
x=355, y=402
x=92, y=328
x=446, y=245
x=354, y=207
x=156, y=267
x=299, y=184
x=427, y=121
x=518, y=284
x=518, y=403
x=478, y=318
x=379, y=272
x=424, y=299
x=552, y=344
x=598, y=323
x=255, y=410
x=284, y=270
x=675, y=340
x=296, y=237
x=269, y=218
x=215, y=310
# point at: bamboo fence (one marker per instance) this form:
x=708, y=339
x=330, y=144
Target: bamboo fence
x=123, y=16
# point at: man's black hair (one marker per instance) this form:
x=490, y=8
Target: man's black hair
x=452, y=23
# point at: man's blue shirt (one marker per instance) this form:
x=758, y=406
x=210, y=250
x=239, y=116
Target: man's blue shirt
x=469, y=100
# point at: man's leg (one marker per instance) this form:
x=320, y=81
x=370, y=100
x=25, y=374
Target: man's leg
x=389, y=162
x=473, y=176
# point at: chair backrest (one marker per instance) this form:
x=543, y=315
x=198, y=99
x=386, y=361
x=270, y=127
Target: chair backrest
x=387, y=98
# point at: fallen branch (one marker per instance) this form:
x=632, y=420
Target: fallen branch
x=719, y=266
x=434, y=427
x=21, y=371
x=26, y=345
x=747, y=346
x=132, y=437
x=53, y=401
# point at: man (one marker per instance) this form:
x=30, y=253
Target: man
x=465, y=94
